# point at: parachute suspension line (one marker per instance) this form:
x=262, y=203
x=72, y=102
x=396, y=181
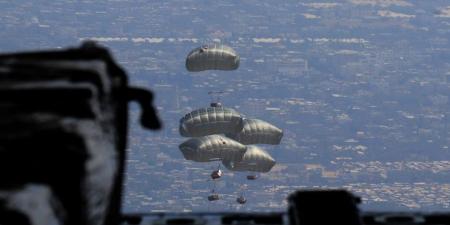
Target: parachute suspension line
x=216, y=98
x=241, y=190
x=178, y=97
x=214, y=187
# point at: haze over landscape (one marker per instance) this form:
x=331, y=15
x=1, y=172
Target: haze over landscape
x=359, y=87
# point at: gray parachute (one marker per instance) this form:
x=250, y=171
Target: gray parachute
x=254, y=160
x=212, y=57
x=211, y=120
x=212, y=148
x=257, y=132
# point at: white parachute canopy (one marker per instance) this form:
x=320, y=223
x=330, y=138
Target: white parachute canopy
x=212, y=57
x=254, y=160
x=212, y=148
x=257, y=132
x=211, y=120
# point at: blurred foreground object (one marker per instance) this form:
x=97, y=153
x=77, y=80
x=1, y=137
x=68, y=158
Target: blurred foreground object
x=314, y=207
x=63, y=129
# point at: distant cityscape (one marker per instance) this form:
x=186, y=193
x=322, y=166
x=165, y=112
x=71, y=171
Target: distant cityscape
x=360, y=87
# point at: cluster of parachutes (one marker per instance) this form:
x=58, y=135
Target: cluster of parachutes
x=222, y=134
x=219, y=133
